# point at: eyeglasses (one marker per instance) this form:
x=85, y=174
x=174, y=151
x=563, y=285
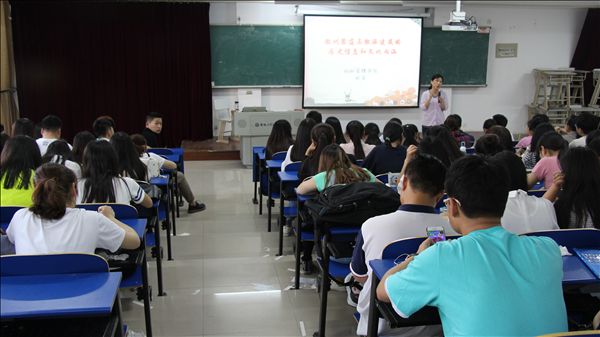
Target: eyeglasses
x=455, y=200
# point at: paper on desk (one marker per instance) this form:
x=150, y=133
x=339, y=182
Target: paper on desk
x=564, y=251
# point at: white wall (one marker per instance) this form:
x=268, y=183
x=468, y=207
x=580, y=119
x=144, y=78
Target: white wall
x=547, y=37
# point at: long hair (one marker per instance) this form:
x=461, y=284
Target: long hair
x=53, y=190
x=337, y=128
x=553, y=141
x=129, y=159
x=334, y=161
x=538, y=132
x=302, y=141
x=392, y=132
x=449, y=143
x=80, y=141
x=100, y=166
x=20, y=156
x=409, y=132
x=580, y=193
x=372, y=132
x=517, y=175
x=355, y=131
x=280, y=138
x=322, y=135
x=58, y=148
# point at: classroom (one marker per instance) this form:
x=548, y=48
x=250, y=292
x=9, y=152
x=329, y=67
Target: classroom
x=294, y=168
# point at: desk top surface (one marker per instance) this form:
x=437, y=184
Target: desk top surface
x=138, y=225
x=274, y=163
x=58, y=295
x=288, y=176
x=574, y=270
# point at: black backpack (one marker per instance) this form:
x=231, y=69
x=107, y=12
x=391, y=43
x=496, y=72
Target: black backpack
x=350, y=205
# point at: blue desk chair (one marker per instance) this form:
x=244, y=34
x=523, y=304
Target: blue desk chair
x=177, y=195
x=256, y=165
x=572, y=238
x=139, y=278
x=536, y=193
x=271, y=179
x=359, y=162
x=6, y=214
x=301, y=235
x=287, y=214
x=71, y=263
x=471, y=150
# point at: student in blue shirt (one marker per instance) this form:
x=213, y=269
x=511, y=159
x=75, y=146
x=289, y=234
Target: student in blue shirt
x=488, y=282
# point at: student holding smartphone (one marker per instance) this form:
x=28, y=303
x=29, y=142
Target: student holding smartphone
x=420, y=189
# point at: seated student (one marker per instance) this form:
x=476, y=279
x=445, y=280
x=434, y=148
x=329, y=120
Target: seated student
x=50, y=128
x=372, y=134
x=532, y=155
x=532, y=123
x=104, y=128
x=20, y=157
x=153, y=129
x=440, y=144
x=489, y=282
x=355, y=132
x=488, y=145
x=297, y=151
x=500, y=120
x=568, y=132
x=337, y=128
x=280, y=138
x=549, y=147
x=315, y=116
x=487, y=124
x=395, y=119
x=334, y=168
x=453, y=123
x=504, y=136
x=23, y=127
x=52, y=225
x=321, y=135
x=577, y=190
x=420, y=189
x=411, y=135
x=59, y=153
x=129, y=164
x=101, y=182
x=390, y=156
x=80, y=141
x=155, y=162
x=524, y=213
x=584, y=124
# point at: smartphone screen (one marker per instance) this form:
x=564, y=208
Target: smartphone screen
x=436, y=234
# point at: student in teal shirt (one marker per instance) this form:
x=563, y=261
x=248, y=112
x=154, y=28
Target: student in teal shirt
x=334, y=168
x=488, y=282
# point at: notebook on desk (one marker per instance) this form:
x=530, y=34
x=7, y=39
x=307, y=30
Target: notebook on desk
x=591, y=258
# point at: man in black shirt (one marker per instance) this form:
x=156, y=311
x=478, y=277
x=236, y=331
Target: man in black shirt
x=153, y=129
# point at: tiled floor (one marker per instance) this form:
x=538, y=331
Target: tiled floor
x=225, y=279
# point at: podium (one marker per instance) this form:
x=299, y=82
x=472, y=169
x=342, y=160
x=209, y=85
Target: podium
x=254, y=127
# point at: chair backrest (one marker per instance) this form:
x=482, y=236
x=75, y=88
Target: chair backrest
x=471, y=150
x=536, y=193
x=279, y=155
x=382, y=177
x=7, y=212
x=293, y=167
x=360, y=162
x=14, y=265
x=122, y=211
x=161, y=151
x=572, y=238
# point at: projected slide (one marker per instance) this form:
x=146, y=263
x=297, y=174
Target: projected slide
x=361, y=61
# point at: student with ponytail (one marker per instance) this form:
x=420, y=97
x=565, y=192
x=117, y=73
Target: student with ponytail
x=355, y=131
x=53, y=225
x=390, y=156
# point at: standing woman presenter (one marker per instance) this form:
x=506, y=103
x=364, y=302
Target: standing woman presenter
x=433, y=103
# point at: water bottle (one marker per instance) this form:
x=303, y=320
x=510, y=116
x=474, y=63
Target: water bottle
x=463, y=148
x=237, y=106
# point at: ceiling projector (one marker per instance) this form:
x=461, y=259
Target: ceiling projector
x=459, y=22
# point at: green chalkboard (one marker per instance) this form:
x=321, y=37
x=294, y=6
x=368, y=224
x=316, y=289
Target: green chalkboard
x=273, y=56
x=257, y=55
